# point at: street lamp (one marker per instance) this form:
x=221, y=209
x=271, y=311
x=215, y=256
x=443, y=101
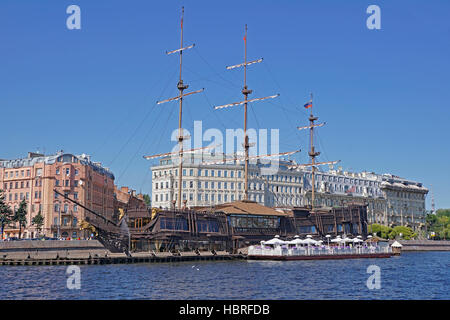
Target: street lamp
x=59, y=221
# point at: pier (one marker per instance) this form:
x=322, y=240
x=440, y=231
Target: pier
x=90, y=252
x=87, y=258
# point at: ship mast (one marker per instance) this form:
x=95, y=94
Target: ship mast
x=245, y=92
x=312, y=151
x=181, y=86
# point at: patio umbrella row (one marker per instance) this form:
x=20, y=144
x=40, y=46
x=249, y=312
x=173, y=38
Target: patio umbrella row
x=310, y=241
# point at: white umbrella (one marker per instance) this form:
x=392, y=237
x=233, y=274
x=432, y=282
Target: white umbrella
x=357, y=240
x=296, y=241
x=309, y=241
x=347, y=239
x=275, y=241
x=337, y=239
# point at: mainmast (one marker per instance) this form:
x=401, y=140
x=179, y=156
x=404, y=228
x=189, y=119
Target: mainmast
x=245, y=92
x=181, y=87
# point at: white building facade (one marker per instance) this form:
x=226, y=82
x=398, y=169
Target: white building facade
x=391, y=200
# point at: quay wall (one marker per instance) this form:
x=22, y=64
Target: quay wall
x=424, y=245
x=49, y=245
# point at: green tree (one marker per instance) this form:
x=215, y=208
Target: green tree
x=439, y=224
x=406, y=233
x=380, y=230
x=147, y=200
x=20, y=216
x=38, y=221
x=5, y=212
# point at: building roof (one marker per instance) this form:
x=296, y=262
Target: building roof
x=62, y=157
x=248, y=208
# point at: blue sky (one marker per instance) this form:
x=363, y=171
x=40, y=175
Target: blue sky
x=383, y=93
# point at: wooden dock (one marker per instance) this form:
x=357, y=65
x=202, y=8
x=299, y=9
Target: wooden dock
x=112, y=258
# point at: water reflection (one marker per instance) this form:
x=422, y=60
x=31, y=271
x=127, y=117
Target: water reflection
x=420, y=275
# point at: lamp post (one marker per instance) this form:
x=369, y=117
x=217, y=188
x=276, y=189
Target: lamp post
x=59, y=221
x=328, y=240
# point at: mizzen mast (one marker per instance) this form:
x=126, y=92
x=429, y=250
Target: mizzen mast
x=312, y=151
x=245, y=92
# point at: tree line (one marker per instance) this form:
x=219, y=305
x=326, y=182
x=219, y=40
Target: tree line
x=9, y=216
x=439, y=224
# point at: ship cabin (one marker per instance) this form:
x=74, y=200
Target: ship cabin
x=238, y=224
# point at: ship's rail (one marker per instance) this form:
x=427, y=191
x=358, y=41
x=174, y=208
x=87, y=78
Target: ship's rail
x=315, y=251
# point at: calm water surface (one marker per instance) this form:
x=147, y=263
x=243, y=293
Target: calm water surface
x=417, y=275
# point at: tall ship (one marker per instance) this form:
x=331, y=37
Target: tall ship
x=230, y=226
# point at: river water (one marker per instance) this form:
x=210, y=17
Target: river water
x=414, y=275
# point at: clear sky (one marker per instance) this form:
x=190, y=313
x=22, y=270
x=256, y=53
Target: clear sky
x=383, y=93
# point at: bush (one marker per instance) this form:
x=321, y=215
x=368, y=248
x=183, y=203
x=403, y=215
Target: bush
x=386, y=232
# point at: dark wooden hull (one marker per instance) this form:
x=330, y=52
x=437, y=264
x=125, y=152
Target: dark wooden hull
x=322, y=257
